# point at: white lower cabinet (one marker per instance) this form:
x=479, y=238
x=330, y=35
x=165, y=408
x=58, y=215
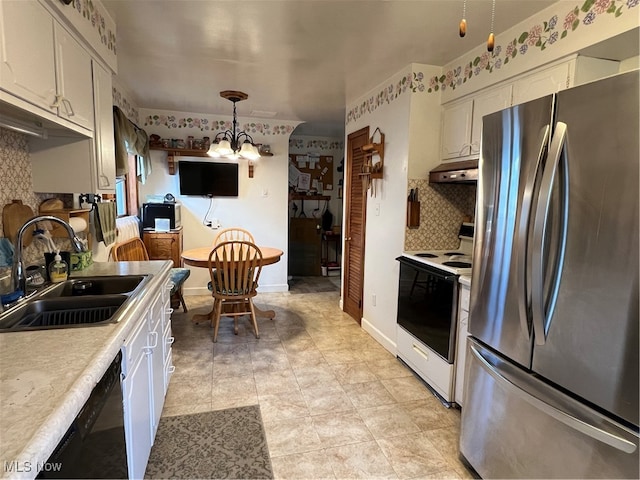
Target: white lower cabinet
x=156, y=362
x=461, y=342
x=137, y=401
x=167, y=341
x=144, y=384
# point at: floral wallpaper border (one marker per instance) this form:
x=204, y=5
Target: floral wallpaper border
x=302, y=144
x=539, y=36
x=92, y=14
x=121, y=101
x=204, y=125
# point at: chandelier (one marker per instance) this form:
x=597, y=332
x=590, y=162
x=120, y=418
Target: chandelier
x=231, y=143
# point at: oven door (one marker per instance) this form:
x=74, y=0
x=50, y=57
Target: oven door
x=428, y=305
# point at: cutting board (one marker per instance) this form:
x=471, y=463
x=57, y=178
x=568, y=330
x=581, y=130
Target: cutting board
x=14, y=215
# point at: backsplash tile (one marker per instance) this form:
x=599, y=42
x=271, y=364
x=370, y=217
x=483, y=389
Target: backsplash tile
x=442, y=210
x=17, y=184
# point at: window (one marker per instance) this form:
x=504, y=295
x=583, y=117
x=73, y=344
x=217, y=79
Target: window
x=127, y=191
x=121, y=196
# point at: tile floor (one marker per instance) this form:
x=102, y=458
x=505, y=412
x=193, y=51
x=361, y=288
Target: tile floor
x=334, y=403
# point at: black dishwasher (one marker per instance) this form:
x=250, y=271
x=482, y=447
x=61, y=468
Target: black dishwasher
x=94, y=445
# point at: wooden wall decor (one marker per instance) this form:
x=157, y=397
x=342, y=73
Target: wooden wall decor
x=373, y=166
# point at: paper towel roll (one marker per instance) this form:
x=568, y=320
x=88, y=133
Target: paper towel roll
x=78, y=224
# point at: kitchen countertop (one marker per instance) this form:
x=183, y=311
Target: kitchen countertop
x=47, y=375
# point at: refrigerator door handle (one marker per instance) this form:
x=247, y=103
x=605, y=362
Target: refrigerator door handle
x=523, y=243
x=582, y=425
x=541, y=321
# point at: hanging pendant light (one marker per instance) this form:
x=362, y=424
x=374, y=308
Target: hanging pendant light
x=463, y=22
x=231, y=143
x=491, y=41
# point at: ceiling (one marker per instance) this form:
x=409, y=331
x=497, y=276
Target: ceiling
x=297, y=59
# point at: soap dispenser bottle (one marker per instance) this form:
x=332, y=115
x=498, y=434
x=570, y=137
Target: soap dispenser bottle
x=58, y=269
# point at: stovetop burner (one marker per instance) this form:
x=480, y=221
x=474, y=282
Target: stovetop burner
x=457, y=264
x=457, y=260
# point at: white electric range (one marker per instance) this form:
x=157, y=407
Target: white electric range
x=428, y=311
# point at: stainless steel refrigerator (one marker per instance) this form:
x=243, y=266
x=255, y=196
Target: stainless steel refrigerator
x=552, y=362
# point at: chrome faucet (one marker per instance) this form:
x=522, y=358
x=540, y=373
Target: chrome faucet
x=18, y=277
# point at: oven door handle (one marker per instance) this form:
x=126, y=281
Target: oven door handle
x=448, y=277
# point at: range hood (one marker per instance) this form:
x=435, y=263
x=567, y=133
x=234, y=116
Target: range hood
x=464, y=171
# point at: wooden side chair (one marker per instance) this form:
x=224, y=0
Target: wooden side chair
x=233, y=233
x=134, y=250
x=229, y=235
x=234, y=268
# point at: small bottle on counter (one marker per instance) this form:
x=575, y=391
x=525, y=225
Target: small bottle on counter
x=58, y=270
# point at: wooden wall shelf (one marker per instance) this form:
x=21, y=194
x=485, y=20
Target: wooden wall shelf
x=179, y=152
x=188, y=152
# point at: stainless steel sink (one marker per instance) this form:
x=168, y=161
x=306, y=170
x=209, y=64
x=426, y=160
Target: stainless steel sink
x=108, y=285
x=77, y=302
x=62, y=312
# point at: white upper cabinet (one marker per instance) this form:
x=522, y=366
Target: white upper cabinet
x=568, y=73
x=488, y=102
x=27, y=58
x=73, y=79
x=105, y=155
x=456, y=130
x=462, y=119
x=43, y=65
x=538, y=84
x=462, y=122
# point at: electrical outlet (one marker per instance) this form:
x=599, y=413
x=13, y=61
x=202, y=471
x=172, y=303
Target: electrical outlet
x=373, y=299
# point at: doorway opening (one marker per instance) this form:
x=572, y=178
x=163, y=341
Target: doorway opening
x=316, y=167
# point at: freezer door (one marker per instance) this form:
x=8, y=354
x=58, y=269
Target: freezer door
x=590, y=341
x=516, y=426
x=514, y=146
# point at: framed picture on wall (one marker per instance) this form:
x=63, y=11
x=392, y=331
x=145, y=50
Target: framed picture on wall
x=304, y=181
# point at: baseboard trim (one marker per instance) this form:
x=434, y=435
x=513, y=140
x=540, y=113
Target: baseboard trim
x=388, y=343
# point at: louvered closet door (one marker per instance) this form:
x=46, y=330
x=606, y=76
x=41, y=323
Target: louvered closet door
x=356, y=209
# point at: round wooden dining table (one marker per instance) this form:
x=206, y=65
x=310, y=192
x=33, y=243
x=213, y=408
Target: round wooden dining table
x=199, y=257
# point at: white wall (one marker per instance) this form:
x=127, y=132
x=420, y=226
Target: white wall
x=261, y=206
x=424, y=126
x=384, y=236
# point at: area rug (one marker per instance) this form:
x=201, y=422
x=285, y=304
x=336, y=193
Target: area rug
x=220, y=444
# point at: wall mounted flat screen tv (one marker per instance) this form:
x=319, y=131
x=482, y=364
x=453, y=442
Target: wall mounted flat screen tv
x=208, y=178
